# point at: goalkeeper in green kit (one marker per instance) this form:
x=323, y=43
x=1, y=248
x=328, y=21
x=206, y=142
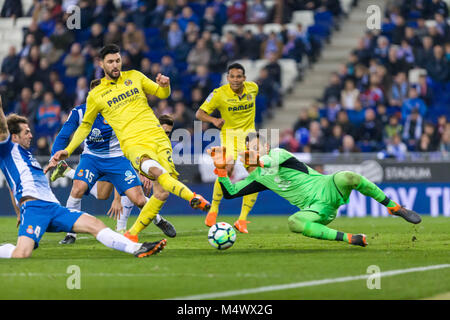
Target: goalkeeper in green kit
x=318, y=196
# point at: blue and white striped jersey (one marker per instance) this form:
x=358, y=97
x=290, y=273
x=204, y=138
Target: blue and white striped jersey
x=101, y=141
x=23, y=173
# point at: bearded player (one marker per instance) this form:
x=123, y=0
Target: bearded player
x=236, y=103
x=121, y=98
x=318, y=196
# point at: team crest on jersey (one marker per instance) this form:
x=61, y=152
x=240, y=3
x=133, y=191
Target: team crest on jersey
x=96, y=135
x=128, y=82
x=30, y=230
x=80, y=174
x=249, y=97
x=129, y=176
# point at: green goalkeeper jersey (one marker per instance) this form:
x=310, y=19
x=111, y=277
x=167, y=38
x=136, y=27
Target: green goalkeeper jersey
x=290, y=178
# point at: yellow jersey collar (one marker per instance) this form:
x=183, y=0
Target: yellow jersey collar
x=111, y=82
x=244, y=92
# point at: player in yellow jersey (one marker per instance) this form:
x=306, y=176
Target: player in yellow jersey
x=121, y=98
x=236, y=103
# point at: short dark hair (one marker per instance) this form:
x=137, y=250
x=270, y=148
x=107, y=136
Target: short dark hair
x=254, y=135
x=94, y=83
x=14, y=121
x=108, y=49
x=166, y=119
x=236, y=66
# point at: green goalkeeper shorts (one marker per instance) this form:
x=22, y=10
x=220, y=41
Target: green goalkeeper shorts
x=326, y=199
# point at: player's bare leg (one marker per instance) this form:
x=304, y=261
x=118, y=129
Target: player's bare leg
x=22, y=249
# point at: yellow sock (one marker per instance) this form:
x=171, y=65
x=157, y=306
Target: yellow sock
x=148, y=213
x=248, y=202
x=174, y=186
x=217, y=197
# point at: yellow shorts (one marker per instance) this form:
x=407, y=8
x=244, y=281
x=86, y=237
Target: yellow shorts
x=158, y=149
x=234, y=142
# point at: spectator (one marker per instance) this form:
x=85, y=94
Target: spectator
x=174, y=36
x=219, y=59
x=134, y=38
x=199, y=55
x=201, y=80
x=141, y=17
x=74, y=62
x=97, y=36
x=237, y=12
x=274, y=69
x=441, y=125
x=81, y=91
x=332, y=107
x=425, y=92
x=444, y=145
x=392, y=128
x=271, y=46
x=381, y=51
x=268, y=89
x=64, y=100
x=294, y=48
x=288, y=142
x=349, y=95
x=192, y=30
x=34, y=57
x=370, y=132
x=146, y=67
x=183, y=117
x=303, y=120
x=61, y=40
x=249, y=46
x=348, y=145
x=197, y=98
x=412, y=129
x=46, y=48
x=113, y=35
x=187, y=16
x=316, y=140
x=257, y=12
x=26, y=77
x=29, y=43
x=343, y=120
x=210, y=22
x=430, y=130
x=43, y=147
x=413, y=103
x=25, y=105
x=396, y=148
x=11, y=62
x=438, y=66
x=12, y=9
x=334, y=142
x=424, y=144
x=48, y=117
x=33, y=29
x=230, y=46
x=399, y=90
x=333, y=89
x=158, y=14
x=394, y=63
x=168, y=69
x=163, y=108
x=424, y=54
x=412, y=38
x=436, y=6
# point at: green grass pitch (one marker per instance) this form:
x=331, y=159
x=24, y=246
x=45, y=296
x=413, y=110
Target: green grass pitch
x=268, y=255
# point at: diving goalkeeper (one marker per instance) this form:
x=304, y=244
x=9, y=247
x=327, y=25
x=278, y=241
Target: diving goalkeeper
x=318, y=196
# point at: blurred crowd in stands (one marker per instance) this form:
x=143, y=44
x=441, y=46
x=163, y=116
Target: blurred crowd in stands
x=50, y=73
x=393, y=94
x=374, y=102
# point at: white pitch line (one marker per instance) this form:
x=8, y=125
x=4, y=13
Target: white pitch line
x=312, y=283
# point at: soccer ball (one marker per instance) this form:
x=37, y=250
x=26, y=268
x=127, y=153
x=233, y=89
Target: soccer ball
x=221, y=236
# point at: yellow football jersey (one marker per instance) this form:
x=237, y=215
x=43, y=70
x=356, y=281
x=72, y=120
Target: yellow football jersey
x=123, y=104
x=237, y=111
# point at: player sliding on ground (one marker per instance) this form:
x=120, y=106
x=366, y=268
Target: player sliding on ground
x=318, y=196
x=40, y=211
x=102, y=167
x=121, y=98
x=236, y=103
